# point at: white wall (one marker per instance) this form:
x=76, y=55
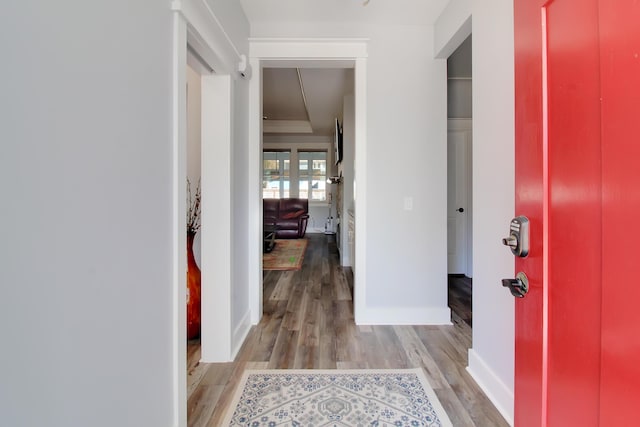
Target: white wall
x=193, y=125
x=493, y=198
x=86, y=218
x=217, y=216
x=406, y=157
x=491, y=358
x=241, y=214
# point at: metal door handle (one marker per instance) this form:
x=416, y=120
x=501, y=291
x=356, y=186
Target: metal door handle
x=518, y=286
x=511, y=241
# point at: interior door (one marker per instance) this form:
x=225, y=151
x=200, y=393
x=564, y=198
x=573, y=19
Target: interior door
x=558, y=187
x=458, y=153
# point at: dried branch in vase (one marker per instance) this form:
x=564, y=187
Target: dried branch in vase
x=193, y=203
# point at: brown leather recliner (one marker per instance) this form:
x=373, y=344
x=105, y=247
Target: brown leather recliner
x=290, y=215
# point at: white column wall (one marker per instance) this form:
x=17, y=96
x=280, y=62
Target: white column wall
x=243, y=240
x=406, y=158
x=87, y=220
x=491, y=359
x=219, y=32
x=193, y=126
x=216, y=303
x=401, y=253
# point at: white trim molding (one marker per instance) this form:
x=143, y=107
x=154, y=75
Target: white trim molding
x=405, y=316
x=496, y=390
x=308, y=48
x=206, y=35
x=452, y=27
x=360, y=193
x=240, y=333
x=304, y=52
x=287, y=126
x=254, y=195
x=179, y=226
x=197, y=31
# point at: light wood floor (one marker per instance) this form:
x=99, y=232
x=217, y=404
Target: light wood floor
x=308, y=323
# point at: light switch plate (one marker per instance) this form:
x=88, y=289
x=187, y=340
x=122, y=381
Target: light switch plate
x=408, y=203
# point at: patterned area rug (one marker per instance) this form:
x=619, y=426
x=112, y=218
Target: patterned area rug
x=336, y=398
x=287, y=255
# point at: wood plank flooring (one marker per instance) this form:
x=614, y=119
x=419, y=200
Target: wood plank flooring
x=460, y=296
x=308, y=323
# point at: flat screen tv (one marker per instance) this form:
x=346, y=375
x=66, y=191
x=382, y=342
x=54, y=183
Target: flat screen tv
x=337, y=142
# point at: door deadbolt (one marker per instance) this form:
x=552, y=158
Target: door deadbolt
x=518, y=286
x=518, y=240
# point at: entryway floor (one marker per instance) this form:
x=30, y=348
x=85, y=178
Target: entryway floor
x=308, y=323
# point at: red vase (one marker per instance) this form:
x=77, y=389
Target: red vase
x=193, y=291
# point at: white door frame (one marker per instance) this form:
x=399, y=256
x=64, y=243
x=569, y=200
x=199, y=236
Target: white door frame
x=195, y=25
x=316, y=53
x=179, y=225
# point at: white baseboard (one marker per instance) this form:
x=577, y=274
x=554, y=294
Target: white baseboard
x=404, y=316
x=240, y=334
x=315, y=230
x=496, y=390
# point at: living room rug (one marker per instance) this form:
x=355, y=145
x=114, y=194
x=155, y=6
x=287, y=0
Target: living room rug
x=286, y=255
x=360, y=397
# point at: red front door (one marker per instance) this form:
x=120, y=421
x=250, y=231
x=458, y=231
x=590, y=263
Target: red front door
x=620, y=87
x=572, y=149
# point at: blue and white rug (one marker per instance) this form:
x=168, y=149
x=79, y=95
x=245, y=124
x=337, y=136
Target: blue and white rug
x=328, y=398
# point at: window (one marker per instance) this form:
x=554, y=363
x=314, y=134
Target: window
x=275, y=181
x=312, y=174
x=295, y=173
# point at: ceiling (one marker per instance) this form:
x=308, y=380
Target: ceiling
x=395, y=12
x=324, y=89
x=304, y=100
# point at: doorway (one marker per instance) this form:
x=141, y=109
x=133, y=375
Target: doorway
x=308, y=113
x=319, y=54
x=459, y=180
x=194, y=70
